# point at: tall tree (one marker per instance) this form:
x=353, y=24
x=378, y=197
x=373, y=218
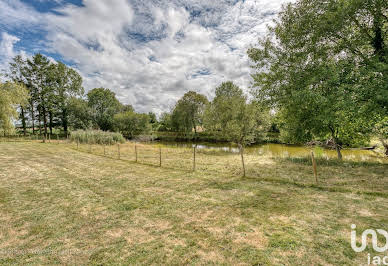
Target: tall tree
x=12, y=95
x=104, y=105
x=79, y=114
x=66, y=83
x=233, y=118
x=324, y=65
x=188, y=111
x=36, y=75
x=16, y=73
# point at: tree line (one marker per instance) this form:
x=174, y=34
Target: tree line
x=321, y=74
x=50, y=95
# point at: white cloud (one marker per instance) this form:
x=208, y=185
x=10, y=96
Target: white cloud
x=7, y=49
x=151, y=52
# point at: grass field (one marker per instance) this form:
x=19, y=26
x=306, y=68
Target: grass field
x=62, y=205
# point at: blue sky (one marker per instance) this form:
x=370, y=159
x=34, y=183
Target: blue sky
x=149, y=52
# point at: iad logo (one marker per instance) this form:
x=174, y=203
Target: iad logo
x=376, y=260
x=364, y=239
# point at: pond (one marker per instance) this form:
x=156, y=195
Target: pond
x=282, y=150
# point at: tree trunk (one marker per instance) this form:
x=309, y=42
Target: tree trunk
x=64, y=120
x=40, y=122
x=338, y=149
x=45, y=120
x=23, y=120
x=51, y=122
x=385, y=145
x=337, y=146
x=33, y=119
x=242, y=158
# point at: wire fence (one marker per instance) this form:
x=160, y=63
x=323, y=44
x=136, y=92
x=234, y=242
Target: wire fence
x=305, y=170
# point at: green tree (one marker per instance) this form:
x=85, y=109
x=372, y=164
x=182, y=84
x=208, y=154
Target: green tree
x=381, y=130
x=66, y=84
x=231, y=117
x=35, y=73
x=127, y=108
x=188, y=112
x=104, y=106
x=16, y=73
x=165, y=122
x=12, y=95
x=132, y=124
x=79, y=114
x=324, y=67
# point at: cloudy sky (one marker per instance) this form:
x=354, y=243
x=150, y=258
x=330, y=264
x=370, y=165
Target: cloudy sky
x=149, y=52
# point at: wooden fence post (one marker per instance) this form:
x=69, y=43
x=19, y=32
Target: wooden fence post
x=314, y=166
x=194, y=149
x=160, y=157
x=118, y=149
x=242, y=158
x=135, y=153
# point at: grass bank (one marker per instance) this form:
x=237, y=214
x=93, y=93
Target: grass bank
x=62, y=205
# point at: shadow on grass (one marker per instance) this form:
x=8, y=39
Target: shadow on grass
x=331, y=162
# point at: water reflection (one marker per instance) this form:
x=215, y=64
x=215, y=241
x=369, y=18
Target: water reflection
x=283, y=151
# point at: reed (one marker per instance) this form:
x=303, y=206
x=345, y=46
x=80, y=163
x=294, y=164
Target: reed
x=96, y=137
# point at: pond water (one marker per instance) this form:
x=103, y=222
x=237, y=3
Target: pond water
x=282, y=150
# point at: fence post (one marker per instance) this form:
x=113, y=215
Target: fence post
x=118, y=149
x=242, y=158
x=135, y=153
x=314, y=167
x=49, y=137
x=160, y=157
x=194, y=149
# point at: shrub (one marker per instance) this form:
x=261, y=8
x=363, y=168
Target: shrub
x=96, y=137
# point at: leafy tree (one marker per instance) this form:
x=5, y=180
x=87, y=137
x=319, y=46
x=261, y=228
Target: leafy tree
x=188, y=112
x=79, y=114
x=16, y=73
x=66, y=84
x=40, y=92
x=127, y=107
x=132, y=124
x=165, y=122
x=230, y=116
x=12, y=95
x=381, y=130
x=104, y=105
x=324, y=67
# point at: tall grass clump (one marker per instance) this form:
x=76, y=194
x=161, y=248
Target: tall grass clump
x=96, y=137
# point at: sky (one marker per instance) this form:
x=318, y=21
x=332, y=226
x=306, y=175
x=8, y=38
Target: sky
x=149, y=52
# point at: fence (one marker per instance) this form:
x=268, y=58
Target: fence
x=200, y=160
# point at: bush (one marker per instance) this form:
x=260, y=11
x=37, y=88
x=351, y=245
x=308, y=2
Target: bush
x=96, y=137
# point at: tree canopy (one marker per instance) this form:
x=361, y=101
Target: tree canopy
x=188, y=112
x=104, y=106
x=12, y=95
x=323, y=66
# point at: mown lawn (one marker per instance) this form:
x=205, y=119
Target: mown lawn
x=60, y=205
